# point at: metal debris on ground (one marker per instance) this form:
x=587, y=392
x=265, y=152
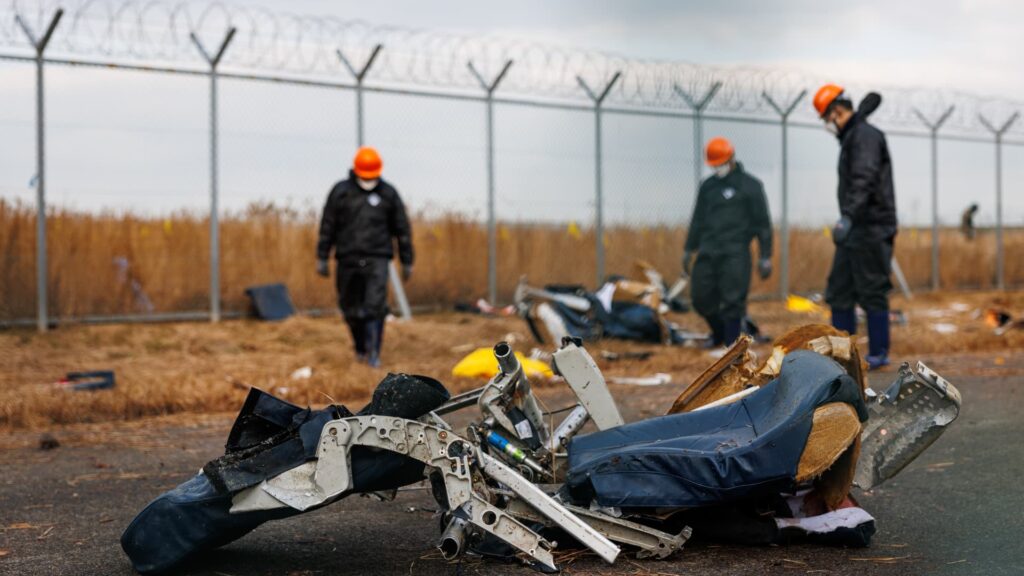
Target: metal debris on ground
x=87, y=381
x=513, y=477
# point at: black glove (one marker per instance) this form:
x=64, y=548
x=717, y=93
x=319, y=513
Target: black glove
x=764, y=268
x=322, y=268
x=406, y=272
x=688, y=258
x=841, y=230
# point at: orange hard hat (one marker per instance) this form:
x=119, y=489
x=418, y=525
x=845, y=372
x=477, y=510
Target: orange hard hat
x=718, y=152
x=367, y=163
x=825, y=96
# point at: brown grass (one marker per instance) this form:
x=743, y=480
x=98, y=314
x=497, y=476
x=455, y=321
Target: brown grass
x=200, y=368
x=170, y=257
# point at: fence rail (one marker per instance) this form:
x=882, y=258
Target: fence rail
x=254, y=45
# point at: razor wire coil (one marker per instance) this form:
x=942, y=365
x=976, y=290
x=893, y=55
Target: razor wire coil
x=158, y=31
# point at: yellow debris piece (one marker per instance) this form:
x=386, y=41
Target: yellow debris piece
x=481, y=363
x=800, y=304
x=574, y=230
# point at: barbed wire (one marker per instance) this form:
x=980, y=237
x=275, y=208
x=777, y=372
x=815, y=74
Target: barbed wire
x=157, y=31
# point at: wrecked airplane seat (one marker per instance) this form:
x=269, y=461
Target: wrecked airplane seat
x=751, y=452
x=749, y=448
x=269, y=436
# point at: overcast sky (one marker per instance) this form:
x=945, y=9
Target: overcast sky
x=970, y=45
x=138, y=141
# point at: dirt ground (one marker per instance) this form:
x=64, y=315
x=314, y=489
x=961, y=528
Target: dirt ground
x=199, y=368
x=953, y=511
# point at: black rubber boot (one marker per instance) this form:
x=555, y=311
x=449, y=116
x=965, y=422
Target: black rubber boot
x=372, y=330
x=878, y=339
x=731, y=330
x=717, y=332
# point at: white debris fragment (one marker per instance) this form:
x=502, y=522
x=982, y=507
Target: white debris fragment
x=657, y=380
x=304, y=373
x=944, y=328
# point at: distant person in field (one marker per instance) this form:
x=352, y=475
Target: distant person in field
x=363, y=219
x=967, y=222
x=866, y=230
x=731, y=210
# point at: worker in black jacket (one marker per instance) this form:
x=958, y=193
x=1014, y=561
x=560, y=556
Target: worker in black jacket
x=362, y=219
x=867, y=224
x=731, y=210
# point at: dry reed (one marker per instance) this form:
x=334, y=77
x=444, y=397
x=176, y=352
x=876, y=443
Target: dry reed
x=169, y=258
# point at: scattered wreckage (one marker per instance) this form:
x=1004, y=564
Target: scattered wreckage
x=622, y=308
x=790, y=435
x=627, y=309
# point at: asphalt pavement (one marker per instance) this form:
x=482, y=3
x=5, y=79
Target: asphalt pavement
x=956, y=510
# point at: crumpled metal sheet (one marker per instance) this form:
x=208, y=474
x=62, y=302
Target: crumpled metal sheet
x=905, y=420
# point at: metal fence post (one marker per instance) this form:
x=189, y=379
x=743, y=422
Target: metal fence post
x=998, y=132
x=784, y=232
x=42, y=315
x=933, y=128
x=598, y=185
x=359, y=75
x=492, y=226
x=213, y=60
x=698, y=107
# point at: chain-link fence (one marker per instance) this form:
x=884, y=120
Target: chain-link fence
x=516, y=159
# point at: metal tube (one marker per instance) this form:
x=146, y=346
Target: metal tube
x=492, y=226
x=697, y=108
x=598, y=197
x=698, y=141
x=359, y=113
x=507, y=361
x=784, y=232
x=935, y=210
x=213, y=60
x=598, y=184
x=42, y=277
x=42, y=320
x=453, y=539
x=1000, y=256
x=933, y=135
x=214, y=205
x=1000, y=262
x=568, y=428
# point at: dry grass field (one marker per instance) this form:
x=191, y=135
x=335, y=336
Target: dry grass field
x=169, y=258
x=199, y=368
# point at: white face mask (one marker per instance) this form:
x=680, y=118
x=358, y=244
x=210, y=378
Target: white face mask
x=832, y=128
x=723, y=170
x=367, y=184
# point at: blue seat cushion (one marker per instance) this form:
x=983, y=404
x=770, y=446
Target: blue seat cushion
x=745, y=449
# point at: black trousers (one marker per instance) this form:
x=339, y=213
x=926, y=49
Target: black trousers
x=363, y=289
x=860, y=274
x=720, y=283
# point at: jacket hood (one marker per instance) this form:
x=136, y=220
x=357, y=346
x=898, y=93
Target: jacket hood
x=867, y=106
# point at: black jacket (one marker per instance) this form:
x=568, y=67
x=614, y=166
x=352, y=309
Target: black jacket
x=364, y=224
x=729, y=213
x=866, y=193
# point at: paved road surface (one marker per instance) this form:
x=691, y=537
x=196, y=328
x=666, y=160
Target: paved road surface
x=956, y=510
